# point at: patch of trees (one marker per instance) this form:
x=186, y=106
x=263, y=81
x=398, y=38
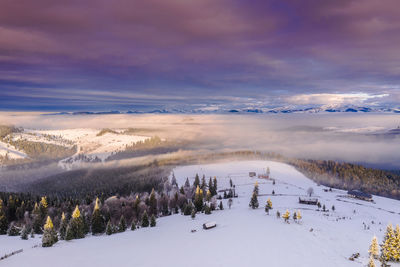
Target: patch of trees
x=6, y=130
x=58, y=217
x=105, y=131
x=351, y=176
x=40, y=150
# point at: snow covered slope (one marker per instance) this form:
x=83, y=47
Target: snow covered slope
x=11, y=152
x=91, y=146
x=243, y=237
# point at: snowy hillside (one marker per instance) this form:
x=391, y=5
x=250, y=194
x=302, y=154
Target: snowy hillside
x=7, y=150
x=243, y=237
x=91, y=146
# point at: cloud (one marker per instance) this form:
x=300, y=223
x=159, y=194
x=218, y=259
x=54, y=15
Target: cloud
x=326, y=99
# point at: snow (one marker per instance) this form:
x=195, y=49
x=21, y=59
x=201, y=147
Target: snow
x=86, y=140
x=11, y=151
x=243, y=237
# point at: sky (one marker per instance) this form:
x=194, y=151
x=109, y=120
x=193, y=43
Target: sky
x=132, y=55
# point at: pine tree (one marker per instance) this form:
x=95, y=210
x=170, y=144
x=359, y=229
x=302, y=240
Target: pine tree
x=49, y=235
x=221, y=206
x=109, y=228
x=24, y=233
x=371, y=262
x=208, y=196
x=153, y=203
x=13, y=230
x=122, y=224
x=388, y=250
x=255, y=190
x=269, y=203
x=278, y=214
x=196, y=182
x=298, y=215
x=198, y=199
x=63, y=226
x=145, y=219
x=286, y=216
x=153, y=221
x=76, y=225
x=43, y=206
x=396, y=243
x=37, y=220
x=203, y=183
x=207, y=209
x=193, y=215
x=215, y=186
x=133, y=226
x=295, y=216
x=254, y=201
x=188, y=208
x=3, y=219
x=374, y=248
x=98, y=223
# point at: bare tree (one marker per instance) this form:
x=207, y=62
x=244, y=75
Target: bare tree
x=310, y=191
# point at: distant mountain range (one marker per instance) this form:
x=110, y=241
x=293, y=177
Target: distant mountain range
x=223, y=109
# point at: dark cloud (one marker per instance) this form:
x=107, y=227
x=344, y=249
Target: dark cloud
x=197, y=48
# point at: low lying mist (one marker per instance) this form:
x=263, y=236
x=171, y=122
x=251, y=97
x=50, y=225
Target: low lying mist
x=358, y=138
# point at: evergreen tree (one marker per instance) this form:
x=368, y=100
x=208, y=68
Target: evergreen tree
x=153, y=203
x=221, y=206
x=49, y=235
x=374, y=248
x=333, y=207
x=255, y=190
x=122, y=224
x=37, y=220
x=145, y=219
x=208, y=196
x=388, y=250
x=153, y=221
x=193, y=215
x=198, y=199
x=286, y=216
x=109, y=228
x=207, y=209
x=203, y=183
x=278, y=214
x=371, y=262
x=196, y=182
x=188, y=209
x=98, y=223
x=187, y=183
x=269, y=203
x=215, y=186
x=295, y=216
x=3, y=219
x=76, y=225
x=13, y=230
x=254, y=201
x=63, y=226
x=211, y=186
x=43, y=206
x=24, y=233
x=133, y=226
x=298, y=215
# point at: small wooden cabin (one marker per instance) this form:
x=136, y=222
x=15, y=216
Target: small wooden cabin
x=308, y=201
x=263, y=176
x=209, y=225
x=252, y=174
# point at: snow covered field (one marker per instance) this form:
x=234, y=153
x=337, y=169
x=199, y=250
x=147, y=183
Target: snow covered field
x=243, y=237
